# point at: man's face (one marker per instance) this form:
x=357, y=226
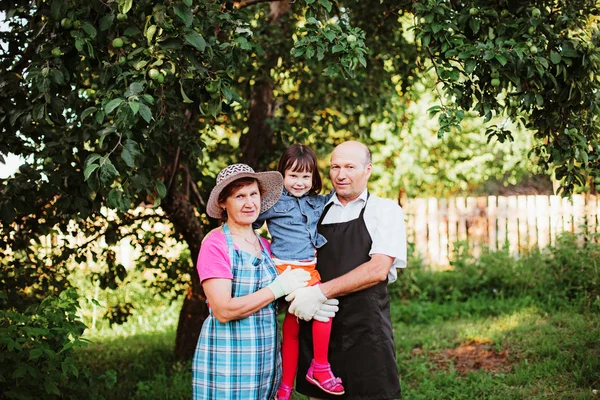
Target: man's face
x=349, y=172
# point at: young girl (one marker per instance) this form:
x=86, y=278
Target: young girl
x=292, y=223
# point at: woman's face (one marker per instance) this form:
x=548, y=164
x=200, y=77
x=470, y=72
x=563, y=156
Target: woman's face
x=243, y=205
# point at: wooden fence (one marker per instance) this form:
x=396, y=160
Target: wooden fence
x=514, y=222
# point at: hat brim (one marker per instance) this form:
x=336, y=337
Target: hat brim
x=270, y=181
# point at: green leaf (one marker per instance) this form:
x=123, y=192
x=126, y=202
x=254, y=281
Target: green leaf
x=568, y=50
x=184, y=14
x=186, y=99
x=555, y=57
x=539, y=100
x=214, y=107
x=88, y=171
x=35, y=354
x=140, y=64
x=112, y=105
x=87, y=112
x=470, y=66
x=135, y=88
x=330, y=35
x=148, y=98
x=337, y=48
x=114, y=197
x=243, y=42
x=106, y=22
x=196, y=40
x=128, y=158
x=133, y=31
x=108, y=172
x=125, y=6
x=51, y=387
x=161, y=189
x=39, y=111
x=501, y=59
x=326, y=4
x=56, y=9
x=91, y=159
x=145, y=112
x=133, y=147
x=89, y=29
x=100, y=116
x=135, y=106
x=187, y=2
x=474, y=25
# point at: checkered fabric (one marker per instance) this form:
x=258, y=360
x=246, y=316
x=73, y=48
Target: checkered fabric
x=240, y=360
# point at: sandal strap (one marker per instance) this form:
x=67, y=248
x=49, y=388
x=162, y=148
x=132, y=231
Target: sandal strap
x=320, y=367
x=331, y=383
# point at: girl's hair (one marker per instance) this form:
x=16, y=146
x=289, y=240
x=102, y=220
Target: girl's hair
x=305, y=160
x=235, y=185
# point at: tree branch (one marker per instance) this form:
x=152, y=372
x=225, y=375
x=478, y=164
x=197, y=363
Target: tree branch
x=175, y=163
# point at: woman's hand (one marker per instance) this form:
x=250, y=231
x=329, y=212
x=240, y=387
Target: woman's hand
x=288, y=281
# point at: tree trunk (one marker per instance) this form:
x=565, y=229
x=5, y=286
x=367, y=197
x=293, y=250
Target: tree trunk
x=258, y=142
x=181, y=212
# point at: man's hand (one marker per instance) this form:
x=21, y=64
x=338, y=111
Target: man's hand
x=327, y=310
x=306, y=302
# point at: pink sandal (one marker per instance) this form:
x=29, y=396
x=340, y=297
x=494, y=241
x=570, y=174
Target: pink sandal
x=332, y=385
x=284, y=392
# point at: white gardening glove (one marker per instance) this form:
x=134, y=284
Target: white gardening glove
x=327, y=310
x=306, y=302
x=288, y=281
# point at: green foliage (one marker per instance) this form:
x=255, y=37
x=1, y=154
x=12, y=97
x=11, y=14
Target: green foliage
x=37, y=351
x=411, y=159
x=531, y=61
x=144, y=358
x=564, y=275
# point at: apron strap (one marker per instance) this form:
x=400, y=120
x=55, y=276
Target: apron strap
x=229, y=239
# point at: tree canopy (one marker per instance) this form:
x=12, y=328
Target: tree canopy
x=129, y=103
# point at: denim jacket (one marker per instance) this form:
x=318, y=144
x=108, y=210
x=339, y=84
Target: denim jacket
x=292, y=223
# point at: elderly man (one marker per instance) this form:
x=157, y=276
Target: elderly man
x=366, y=242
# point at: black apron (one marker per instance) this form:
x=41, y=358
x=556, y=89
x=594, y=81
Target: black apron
x=361, y=350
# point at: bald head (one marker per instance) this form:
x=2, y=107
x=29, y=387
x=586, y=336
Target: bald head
x=355, y=150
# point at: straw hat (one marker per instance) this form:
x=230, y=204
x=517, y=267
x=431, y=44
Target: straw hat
x=271, y=183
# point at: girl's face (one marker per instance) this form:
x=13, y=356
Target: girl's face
x=297, y=183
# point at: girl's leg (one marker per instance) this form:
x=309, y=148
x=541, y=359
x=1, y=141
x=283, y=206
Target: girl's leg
x=319, y=373
x=321, y=333
x=290, y=349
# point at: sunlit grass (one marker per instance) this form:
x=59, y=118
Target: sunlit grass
x=539, y=313
x=551, y=356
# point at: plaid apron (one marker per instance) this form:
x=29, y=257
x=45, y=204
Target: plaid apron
x=241, y=359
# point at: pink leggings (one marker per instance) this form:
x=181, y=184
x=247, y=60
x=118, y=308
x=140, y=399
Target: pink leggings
x=321, y=332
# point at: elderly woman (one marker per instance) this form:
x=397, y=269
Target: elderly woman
x=237, y=356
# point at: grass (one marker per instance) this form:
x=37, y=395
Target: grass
x=535, y=320
x=551, y=356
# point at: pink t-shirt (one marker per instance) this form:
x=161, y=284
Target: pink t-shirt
x=213, y=260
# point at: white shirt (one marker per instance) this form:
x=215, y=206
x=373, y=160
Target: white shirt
x=385, y=223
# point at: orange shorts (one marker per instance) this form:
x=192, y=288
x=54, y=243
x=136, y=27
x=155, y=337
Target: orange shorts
x=310, y=267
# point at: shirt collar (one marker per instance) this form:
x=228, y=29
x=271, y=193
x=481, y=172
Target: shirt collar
x=362, y=197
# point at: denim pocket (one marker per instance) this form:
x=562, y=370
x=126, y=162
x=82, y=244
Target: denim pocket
x=283, y=207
